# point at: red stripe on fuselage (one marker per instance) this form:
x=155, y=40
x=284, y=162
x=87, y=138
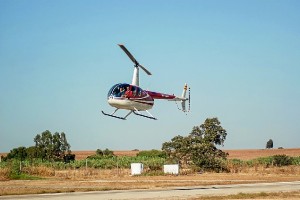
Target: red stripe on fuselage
x=157, y=95
x=143, y=102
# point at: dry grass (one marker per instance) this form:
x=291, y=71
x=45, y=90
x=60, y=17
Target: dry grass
x=262, y=195
x=41, y=171
x=4, y=173
x=99, y=180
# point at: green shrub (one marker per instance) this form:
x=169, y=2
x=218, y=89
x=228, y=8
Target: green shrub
x=153, y=153
x=296, y=160
x=282, y=160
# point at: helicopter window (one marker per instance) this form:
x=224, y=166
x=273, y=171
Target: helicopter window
x=118, y=90
x=126, y=90
x=110, y=92
x=133, y=89
x=138, y=92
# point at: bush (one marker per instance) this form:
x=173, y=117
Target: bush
x=282, y=160
x=14, y=167
x=69, y=157
x=153, y=153
x=265, y=161
x=296, y=160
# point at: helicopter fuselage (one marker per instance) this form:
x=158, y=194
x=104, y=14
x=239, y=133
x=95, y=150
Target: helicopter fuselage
x=129, y=97
x=132, y=97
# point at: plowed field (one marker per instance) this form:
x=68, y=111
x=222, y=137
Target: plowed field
x=243, y=154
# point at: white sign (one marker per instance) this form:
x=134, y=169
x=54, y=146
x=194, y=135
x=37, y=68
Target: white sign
x=171, y=169
x=136, y=168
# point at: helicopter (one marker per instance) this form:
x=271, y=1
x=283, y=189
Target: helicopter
x=133, y=98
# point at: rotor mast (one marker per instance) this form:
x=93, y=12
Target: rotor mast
x=135, y=78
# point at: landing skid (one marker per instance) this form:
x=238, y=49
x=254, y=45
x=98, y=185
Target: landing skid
x=136, y=112
x=139, y=114
x=112, y=115
x=144, y=116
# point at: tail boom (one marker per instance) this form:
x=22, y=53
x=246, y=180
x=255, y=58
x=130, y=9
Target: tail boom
x=170, y=97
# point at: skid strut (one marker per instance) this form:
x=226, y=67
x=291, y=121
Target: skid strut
x=112, y=115
x=139, y=114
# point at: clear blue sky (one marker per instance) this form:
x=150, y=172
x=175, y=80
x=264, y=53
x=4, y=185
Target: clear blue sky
x=58, y=59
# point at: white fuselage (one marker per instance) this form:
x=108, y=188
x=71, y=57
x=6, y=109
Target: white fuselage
x=140, y=104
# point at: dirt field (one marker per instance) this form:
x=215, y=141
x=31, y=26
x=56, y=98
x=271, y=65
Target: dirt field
x=248, y=154
x=243, y=154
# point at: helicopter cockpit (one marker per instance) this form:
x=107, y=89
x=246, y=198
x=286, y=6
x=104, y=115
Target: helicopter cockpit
x=125, y=90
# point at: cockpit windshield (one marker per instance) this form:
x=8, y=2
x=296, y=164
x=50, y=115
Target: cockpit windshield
x=125, y=90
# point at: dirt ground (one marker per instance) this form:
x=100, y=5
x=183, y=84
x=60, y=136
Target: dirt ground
x=248, y=154
x=243, y=154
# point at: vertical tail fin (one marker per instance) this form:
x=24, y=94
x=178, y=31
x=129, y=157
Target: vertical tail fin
x=183, y=99
x=183, y=102
x=183, y=107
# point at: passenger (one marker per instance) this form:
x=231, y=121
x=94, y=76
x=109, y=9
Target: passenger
x=121, y=93
x=128, y=92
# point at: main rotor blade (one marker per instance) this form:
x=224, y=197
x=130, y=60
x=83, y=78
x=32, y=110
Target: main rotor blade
x=133, y=59
x=128, y=54
x=147, y=72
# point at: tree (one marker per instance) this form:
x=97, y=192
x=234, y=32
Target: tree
x=269, y=144
x=31, y=152
x=51, y=147
x=44, y=145
x=199, y=147
x=17, y=153
x=47, y=146
x=65, y=146
x=99, y=152
x=178, y=149
x=107, y=152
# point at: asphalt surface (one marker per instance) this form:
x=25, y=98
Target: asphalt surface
x=168, y=193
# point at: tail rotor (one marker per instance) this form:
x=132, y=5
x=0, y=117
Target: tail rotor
x=184, y=100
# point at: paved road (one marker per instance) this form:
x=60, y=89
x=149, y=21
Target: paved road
x=170, y=193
